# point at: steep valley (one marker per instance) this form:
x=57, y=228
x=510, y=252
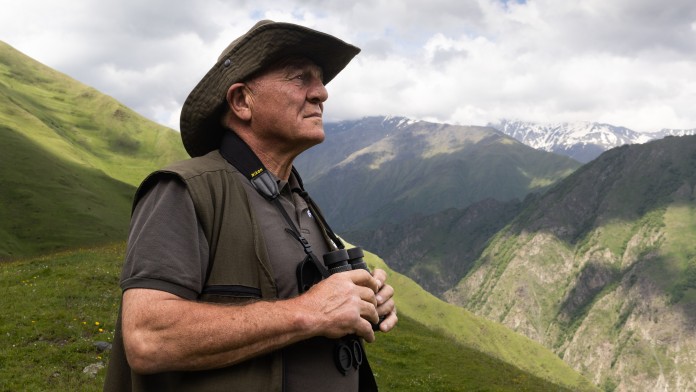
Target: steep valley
x=602, y=269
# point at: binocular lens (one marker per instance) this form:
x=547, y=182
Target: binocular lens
x=348, y=354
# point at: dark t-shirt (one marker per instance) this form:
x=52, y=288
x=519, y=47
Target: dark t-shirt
x=167, y=250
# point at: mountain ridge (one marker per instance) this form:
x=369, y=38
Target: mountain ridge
x=600, y=261
x=401, y=168
x=583, y=141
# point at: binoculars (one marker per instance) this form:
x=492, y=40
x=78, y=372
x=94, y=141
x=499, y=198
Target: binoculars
x=348, y=353
x=337, y=261
x=342, y=260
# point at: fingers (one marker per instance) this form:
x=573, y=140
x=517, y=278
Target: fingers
x=380, y=275
x=386, y=307
x=363, y=278
x=389, y=321
x=384, y=294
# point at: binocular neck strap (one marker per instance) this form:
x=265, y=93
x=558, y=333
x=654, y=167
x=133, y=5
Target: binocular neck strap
x=316, y=212
x=239, y=154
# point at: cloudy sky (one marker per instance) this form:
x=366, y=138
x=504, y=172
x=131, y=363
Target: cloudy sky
x=624, y=62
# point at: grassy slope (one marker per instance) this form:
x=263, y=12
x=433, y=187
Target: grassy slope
x=55, y=307
x=47, y=203
x=70, y=159
x=77, y=123
x=469, y=330
x=416, y=358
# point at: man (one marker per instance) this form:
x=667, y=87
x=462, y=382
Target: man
x=223, y=284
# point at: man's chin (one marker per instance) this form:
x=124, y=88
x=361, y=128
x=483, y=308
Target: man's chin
x=314, y=140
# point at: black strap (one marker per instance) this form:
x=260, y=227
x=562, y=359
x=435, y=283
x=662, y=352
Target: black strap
x=316, y=211
x=239, y=154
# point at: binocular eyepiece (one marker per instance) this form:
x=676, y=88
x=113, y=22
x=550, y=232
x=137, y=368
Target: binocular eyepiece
x=342, y=260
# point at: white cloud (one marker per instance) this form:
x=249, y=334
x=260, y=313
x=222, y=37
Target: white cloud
x=625, y=62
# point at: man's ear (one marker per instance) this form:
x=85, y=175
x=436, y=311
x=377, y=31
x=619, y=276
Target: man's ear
x=239, y=101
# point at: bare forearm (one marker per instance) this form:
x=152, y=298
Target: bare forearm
x=167, y=333
x=163, y=332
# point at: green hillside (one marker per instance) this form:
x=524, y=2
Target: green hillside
x=70, y=159
x=57, y=307
x=438, y=250
x=477, y=333
x=601, y=269
x=48, y=203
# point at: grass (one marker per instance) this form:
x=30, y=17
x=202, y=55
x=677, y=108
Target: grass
x=52, y=203
x=415, y=358
x=76, y=123
x=56, y=307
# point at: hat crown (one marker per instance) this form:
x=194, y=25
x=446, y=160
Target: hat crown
x=239, y=39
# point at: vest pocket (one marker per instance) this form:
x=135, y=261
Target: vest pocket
x=230, y=294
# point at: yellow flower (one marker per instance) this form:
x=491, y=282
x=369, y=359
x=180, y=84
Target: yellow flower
x=96, y=323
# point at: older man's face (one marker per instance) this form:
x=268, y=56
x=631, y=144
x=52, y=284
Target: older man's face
x=288, y=104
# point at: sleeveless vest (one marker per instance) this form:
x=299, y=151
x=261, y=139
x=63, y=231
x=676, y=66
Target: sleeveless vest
x=239, y=271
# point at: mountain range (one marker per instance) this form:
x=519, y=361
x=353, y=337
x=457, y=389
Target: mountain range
x=582, y=141
x=383, y=170
x=589, y=265
x=71, y=159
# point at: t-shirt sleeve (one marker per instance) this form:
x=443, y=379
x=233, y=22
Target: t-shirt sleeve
x=167, y=249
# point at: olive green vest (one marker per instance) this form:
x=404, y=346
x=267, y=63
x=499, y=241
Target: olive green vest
x=239, y=271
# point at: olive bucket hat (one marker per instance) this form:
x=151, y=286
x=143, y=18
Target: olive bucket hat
x=261, y=46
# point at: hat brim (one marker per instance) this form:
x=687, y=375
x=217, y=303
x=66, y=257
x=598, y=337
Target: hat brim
x=260, y=47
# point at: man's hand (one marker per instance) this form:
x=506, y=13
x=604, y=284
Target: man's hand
x=343, y=304
x=350, y=302
x=385, y=303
